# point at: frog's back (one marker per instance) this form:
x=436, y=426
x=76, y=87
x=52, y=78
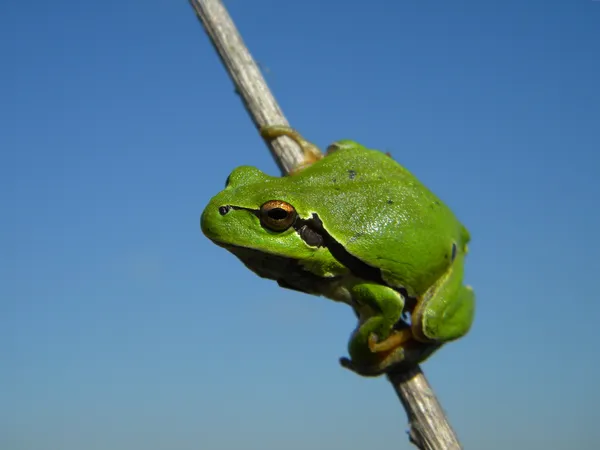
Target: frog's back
x=383, y=215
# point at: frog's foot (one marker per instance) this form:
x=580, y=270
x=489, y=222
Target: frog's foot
x=400, y=359
x=390, y=350
x=393, y=341
x=393, y=358
x=311, y=152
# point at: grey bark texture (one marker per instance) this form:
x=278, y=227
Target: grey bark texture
x=429, y=428
x=247, y=78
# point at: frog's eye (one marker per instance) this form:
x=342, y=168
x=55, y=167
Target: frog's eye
x=277, y=215
x=224, y=209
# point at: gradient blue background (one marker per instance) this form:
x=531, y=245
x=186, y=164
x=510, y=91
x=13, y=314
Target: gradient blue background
x=122, y=327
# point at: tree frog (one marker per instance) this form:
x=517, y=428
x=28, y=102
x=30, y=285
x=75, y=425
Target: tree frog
x=358, y=228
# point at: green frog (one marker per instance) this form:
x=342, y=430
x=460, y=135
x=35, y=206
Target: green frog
x=356, y=227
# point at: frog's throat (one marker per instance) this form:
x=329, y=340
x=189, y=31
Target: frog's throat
x=287, y=272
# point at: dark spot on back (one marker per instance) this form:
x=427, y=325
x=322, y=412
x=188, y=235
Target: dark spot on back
x=390, y=202
x=351, y=174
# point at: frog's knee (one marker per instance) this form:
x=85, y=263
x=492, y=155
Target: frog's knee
x=450, y=323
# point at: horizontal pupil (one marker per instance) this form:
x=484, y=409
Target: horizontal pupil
x=278, y=214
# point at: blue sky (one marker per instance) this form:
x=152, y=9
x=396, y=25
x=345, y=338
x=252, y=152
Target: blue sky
x=122, y=327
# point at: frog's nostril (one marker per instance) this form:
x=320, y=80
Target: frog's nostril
x=224, y=209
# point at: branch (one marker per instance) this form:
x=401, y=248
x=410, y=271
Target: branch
x=249, y=82
x=429, y=427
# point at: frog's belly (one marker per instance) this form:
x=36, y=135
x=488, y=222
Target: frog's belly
x=290, y=274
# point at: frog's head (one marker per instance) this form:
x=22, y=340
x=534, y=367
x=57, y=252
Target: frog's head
x=263, y=219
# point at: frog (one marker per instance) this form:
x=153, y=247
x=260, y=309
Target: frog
x=358, y=228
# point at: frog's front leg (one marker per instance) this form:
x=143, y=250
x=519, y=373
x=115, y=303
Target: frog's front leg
x=446, y=311
x=375, y=345
x=311, y=152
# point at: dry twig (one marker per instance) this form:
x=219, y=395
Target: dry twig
x=429, y=427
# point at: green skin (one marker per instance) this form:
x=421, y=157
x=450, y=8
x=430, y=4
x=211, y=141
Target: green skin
x=360, y=229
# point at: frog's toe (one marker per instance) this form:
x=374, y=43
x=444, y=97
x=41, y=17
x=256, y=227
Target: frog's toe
x=311, y=152
x=393, y=341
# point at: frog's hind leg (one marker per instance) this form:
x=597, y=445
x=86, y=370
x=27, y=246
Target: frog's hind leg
x=444, y=319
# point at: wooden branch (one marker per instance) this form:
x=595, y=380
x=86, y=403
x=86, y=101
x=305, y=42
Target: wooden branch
x=249, y=82
x=429, y=428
